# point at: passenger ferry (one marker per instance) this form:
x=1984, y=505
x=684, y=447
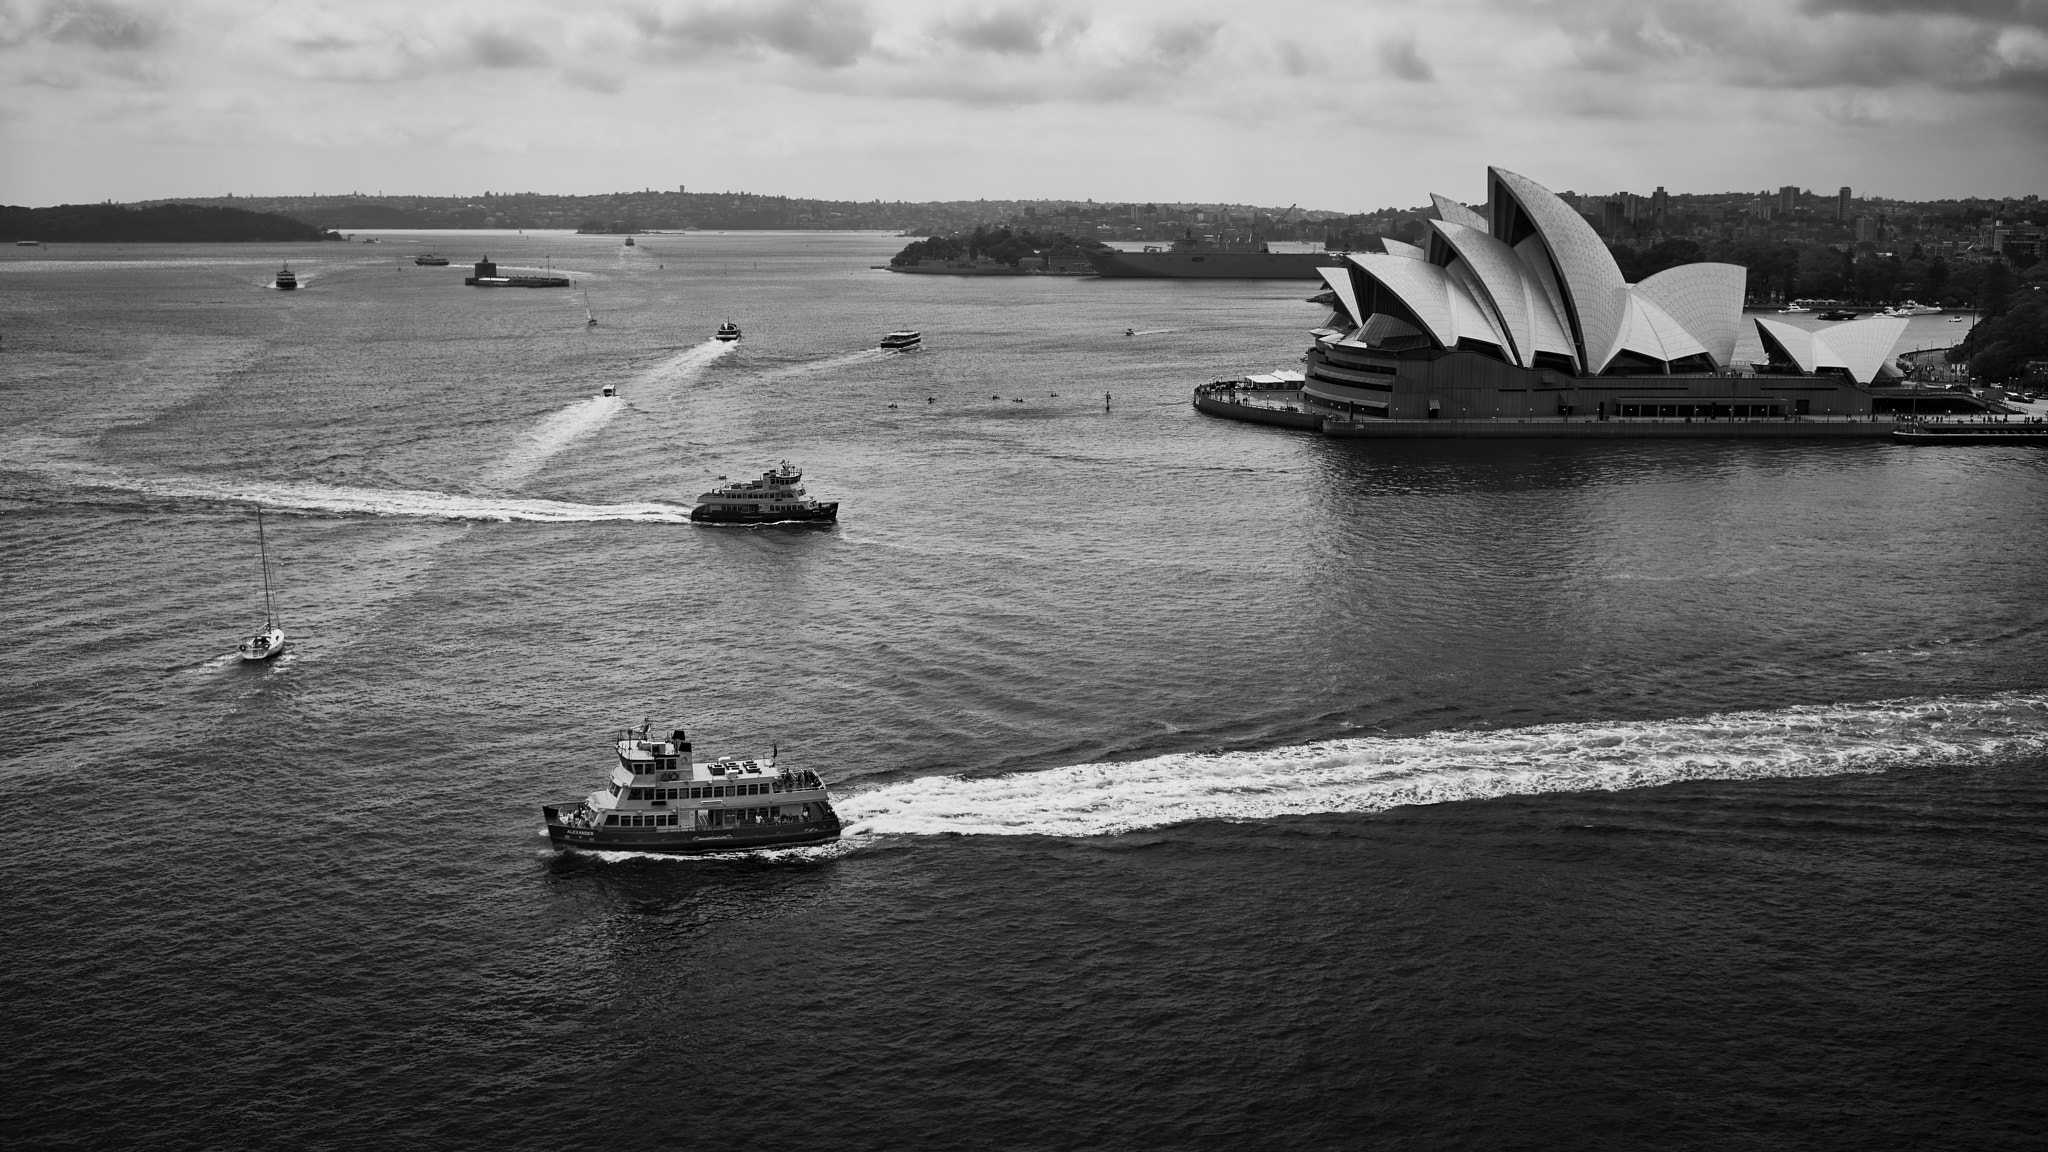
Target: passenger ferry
x=902, y=341
x=659, y=799
x=430, y=260
x=778, y=496
x=287, y=280
x=727, y=332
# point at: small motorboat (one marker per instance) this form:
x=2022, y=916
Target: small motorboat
x=903, y=340
x=1839, y=314
x=1130, y=331
x=287, y=280
x=727, y=332
x=1955, y=319
x=1791, y=308
x=610, y=390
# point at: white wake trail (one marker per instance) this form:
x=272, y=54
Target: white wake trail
x=560, y=429
x=1372, y=774
x=333, y=499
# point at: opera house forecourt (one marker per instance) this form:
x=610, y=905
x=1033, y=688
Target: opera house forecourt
x=1517, y=322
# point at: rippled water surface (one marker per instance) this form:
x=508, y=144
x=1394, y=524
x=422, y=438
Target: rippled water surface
x=1208, y=786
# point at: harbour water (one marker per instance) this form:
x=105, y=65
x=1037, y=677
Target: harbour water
x=1208, y=786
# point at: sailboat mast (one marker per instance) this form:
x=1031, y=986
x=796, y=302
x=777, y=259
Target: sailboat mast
x=263, y=550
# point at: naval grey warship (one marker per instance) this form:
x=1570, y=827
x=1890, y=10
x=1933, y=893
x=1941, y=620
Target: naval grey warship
x=1194, y=258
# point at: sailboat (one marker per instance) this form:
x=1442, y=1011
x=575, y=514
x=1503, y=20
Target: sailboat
x=589, y=318
x=269, y=642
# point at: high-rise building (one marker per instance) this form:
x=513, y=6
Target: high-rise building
x=1866, y=230
x=1842, y=204
x=1788, y=199
x=1660, y=203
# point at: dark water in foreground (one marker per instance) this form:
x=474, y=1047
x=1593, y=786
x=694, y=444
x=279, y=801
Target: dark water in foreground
x=1210, y=786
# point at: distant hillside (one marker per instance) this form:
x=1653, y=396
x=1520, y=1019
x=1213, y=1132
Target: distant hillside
x=157, y=223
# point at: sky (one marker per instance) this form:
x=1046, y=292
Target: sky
x=1343, y=106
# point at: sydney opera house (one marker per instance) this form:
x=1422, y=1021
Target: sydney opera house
x=1518, y=313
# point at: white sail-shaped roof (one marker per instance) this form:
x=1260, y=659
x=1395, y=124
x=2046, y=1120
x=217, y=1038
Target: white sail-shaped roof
x=1864, y=347
x=1339, y=280
x=1475, y=318
x=1860, y=347
x=1422, y=287
x=1705, y=299
x=1452, y=212
x=1595, y=294
x=1507, y=286
x=1397, y=248
x=1648, y=330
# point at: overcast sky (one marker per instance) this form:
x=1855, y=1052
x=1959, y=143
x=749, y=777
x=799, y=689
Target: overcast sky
x=1346, y=106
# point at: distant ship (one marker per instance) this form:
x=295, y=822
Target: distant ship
x=629, y=242
x=487, y=277
x=431, y=259
x=903, y=341
x=287, y=280
x=28, y=243
x=658, y=798
x=1193, y=258
x=778, y=496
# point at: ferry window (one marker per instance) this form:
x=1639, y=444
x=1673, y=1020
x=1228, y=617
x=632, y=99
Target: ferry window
x=775, y=812
x=612, y=819
x=637, y=794
x=615, y=789
x=718, y=791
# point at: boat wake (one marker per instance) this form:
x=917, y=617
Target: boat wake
x=843, y=360
x=552, y=435
x=559, y=430
x=1372, y=774
x=334, y=499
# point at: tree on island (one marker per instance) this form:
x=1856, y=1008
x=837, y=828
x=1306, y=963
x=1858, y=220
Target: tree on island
x=1002, y=245
x=154, y=224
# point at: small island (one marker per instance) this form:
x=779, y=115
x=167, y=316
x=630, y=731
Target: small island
x=151, y=224
x=997, y=252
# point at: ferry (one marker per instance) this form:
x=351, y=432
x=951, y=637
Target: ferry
x=287, y=280
x=1912, y=308
x=658, y=798
x=727, y=332
x=902, y=340
x=1972, y=432
x=431, y=260
x=778, y=496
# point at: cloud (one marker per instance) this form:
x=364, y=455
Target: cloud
x=828, y=33
x=1022, y=30
x=1399, y=55
x=1871, y=44
x=101, y=25
x=1181, y=43
x=504, y=50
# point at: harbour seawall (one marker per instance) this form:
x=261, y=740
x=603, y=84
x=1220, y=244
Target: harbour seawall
x=1284, y=409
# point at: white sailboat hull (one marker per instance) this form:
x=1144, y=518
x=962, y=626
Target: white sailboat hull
x=262, y=646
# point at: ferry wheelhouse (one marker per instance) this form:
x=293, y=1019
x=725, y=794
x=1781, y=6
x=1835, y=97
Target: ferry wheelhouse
x=659, y=799
x=776, y=497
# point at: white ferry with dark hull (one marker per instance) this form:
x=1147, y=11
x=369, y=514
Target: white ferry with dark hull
x=777, y=497
x=659, y=799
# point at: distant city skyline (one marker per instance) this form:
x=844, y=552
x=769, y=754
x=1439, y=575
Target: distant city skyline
x=1343, y=107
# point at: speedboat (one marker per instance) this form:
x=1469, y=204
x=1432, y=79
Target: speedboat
x=1791, y=308
x=657, y=797
x=1955, y=319
x=270, y=641
x=1839, y=314
x=287, y=279
x=902, y=341
x=727, y=332
x=1130, y=331
x=778, y=496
